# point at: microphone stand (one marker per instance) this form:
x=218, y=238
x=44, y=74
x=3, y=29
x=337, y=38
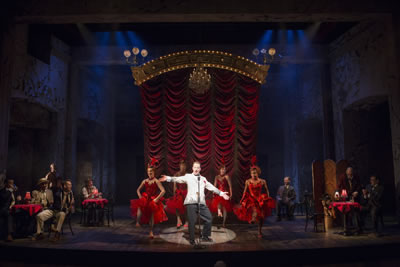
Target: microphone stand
x=198, y=245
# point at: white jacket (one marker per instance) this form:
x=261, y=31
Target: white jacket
x=192, y=182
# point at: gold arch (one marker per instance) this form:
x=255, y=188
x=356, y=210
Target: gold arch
x=200, y=58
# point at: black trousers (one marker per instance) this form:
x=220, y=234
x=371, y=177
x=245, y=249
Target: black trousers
x=289, y=207
x=6, y=220
x=192, y=212
x=376, y=214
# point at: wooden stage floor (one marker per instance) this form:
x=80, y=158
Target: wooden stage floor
x=285, y=242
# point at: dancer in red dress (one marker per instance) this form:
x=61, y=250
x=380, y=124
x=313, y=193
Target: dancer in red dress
x=255, y=206
x=175, y=204
x=149, y=207
x=219, y=204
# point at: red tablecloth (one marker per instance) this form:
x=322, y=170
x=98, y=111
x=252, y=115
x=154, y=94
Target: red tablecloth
x=345, y=207
x=31, y=208
x=98, y=201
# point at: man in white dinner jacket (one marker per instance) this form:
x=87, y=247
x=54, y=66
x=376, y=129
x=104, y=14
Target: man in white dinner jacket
x=193, y=180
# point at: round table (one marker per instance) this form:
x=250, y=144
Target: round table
x=98, y=201
x=344, y=208
x=31, y=208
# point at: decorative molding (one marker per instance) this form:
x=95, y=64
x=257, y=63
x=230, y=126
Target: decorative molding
x=200, y=58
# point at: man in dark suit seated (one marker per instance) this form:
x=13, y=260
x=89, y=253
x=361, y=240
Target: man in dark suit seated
x=285, y=197
x=7, y=201
x=375, y=192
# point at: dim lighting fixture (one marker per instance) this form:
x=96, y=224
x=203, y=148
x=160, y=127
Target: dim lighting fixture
x=267, y=58
x=135, y=52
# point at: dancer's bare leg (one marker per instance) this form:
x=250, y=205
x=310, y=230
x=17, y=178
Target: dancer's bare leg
x=224, y=216
x=178, y=220
x=260, y=225
x=138, y=216
x=151, y=234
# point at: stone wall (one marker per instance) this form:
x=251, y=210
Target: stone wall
x=37, y=112
x=364, y=73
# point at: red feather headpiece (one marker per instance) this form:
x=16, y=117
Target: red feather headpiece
x=223, y=161
x=253, y=161
x=153, y=162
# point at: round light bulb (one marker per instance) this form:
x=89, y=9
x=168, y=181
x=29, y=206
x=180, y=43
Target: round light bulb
x=135, y=51
x=127, y=53
x=256, y=52
x=271, y=51
x=144, y=53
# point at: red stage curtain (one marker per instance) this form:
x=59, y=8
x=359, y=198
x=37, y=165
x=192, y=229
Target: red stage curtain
x=221, y=123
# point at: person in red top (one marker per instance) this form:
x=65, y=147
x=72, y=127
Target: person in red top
x=219, y=204
x=175, y=204
x=149, y=207
x=255, y=205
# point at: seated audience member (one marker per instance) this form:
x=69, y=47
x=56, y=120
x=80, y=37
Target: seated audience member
x=375, y=191
x=7, y=201
x=286, y=196
x=44, y=197
x=63, y=204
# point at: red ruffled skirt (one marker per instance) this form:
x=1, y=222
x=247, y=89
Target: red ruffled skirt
x=263, y=206
x=176, y=202
x=216, y=201
x=148, y=207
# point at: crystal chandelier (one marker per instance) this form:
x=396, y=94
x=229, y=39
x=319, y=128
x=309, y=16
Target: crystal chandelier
x=200, y=80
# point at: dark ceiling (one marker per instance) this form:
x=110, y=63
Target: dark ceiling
x=194, y=33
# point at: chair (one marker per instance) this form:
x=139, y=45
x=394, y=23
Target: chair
x=84, y=211
x=311, y=214
x=53, y=220
x=109, y=209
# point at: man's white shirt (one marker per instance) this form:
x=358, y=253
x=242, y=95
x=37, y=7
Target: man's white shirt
x=193, y=186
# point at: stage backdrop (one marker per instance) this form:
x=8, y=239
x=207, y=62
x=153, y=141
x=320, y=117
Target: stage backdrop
x=219, y=124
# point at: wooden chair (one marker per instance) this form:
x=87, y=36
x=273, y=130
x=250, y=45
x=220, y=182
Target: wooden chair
x=84, y=212
x=311, y=214
x=53, y=220
x=109, y=209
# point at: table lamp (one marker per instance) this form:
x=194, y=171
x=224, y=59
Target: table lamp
x=27, y=197
x=344, y=194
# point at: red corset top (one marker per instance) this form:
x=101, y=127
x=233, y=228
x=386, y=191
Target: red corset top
x=151, y=189
x=255, y=189
x=222, y=185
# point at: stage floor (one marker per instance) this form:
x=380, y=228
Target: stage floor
x=285, y=237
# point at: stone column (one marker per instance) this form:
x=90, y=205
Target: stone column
x=394, y=107
x=72, y=106
x=329, y=144
x=7, y=55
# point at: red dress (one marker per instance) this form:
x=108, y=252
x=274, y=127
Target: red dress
x=176, y=202
x=148, y=206
x=255, y=198
x=224, y=187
